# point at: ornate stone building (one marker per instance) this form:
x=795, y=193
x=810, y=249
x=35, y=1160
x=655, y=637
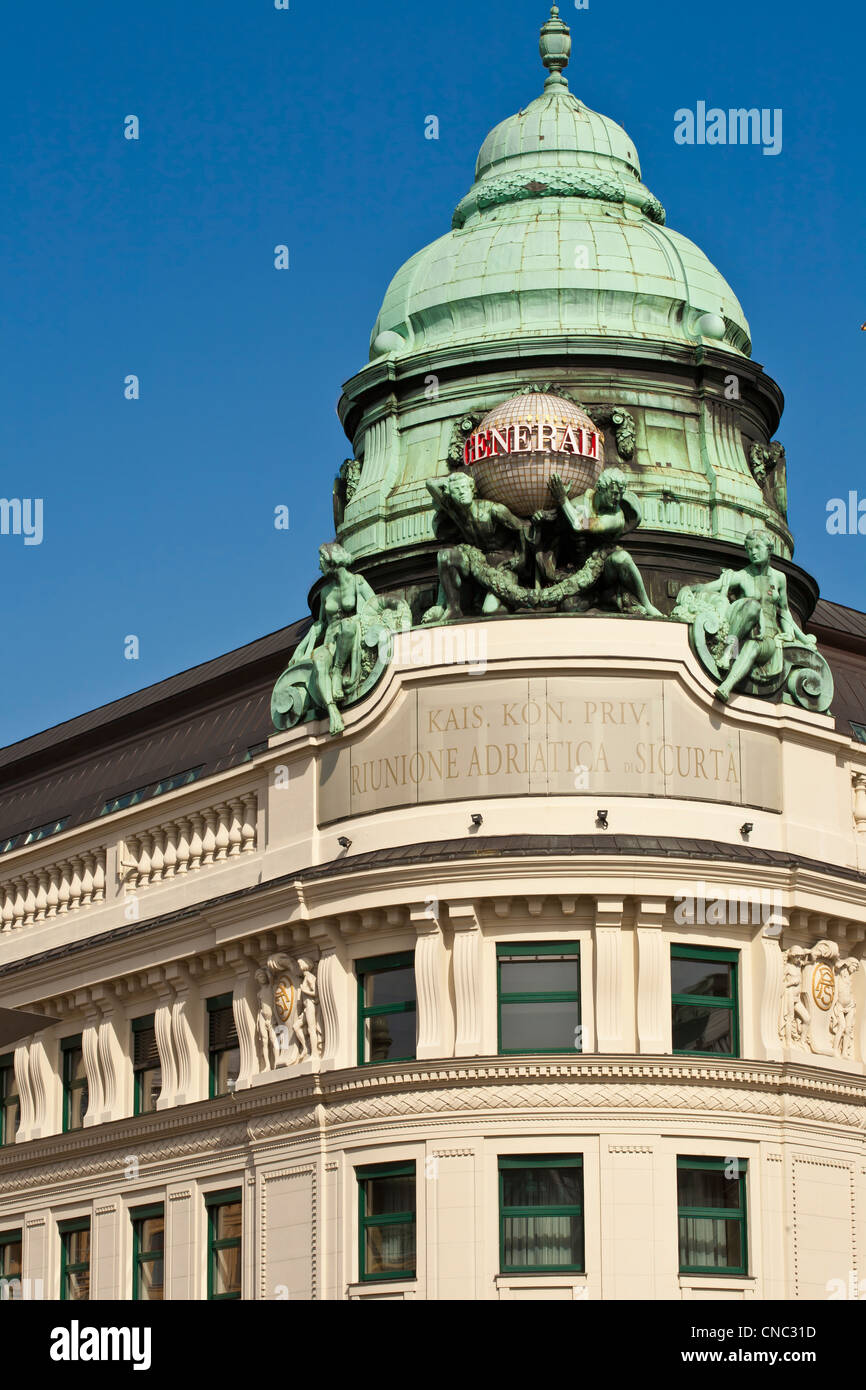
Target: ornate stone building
x=507, y=943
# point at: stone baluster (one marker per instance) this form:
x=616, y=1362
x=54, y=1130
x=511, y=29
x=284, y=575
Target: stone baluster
x=209, y=838
x=129, y=863
x=99, y=877
x=183, y=845
x=87, y=880
x=196, y=843
x=75, y=883
x=65, y=872
x=146, y=843
x=222, y=834
x=8, y=911
x=53, y=892
x=236, y=809
x=170, y=851
x=42, y=879
x=30, y=900
x=20, y=893
x=157, y=862
x=248, y=826
x=859, y=782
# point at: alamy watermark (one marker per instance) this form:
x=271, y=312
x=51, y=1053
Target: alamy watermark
x=22, y=516
x=736, y=126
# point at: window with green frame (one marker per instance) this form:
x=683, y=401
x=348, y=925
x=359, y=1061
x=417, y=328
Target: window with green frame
x=224, y=1244
x=387, y=1008
x=10, y=1104
x=541, y=1214
x=146, y=1069
x=75, y=1095
x=711, y=1208
x=224, y=1057
x=148, y=1253
x=386, y=1221
x=74, y=1260
x=10, y=1264
x=704, y=1000
x=538, y=988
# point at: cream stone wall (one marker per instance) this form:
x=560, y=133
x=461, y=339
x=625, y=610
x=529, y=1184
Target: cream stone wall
x=201, y=889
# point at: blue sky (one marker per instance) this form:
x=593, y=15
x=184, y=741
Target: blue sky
x=306, y=127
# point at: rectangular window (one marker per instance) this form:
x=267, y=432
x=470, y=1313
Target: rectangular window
x=224, y=1058
x=859, y=731
x=539, y=997
x=75, y=1097
x=711, y=1205
x=224, y=1244
x=10, y=1104
x=146, y=1073
x=541, y=1214
x=386, y=1221
x=122, y=802
x=387, y=1008
x=178, y=779
x=10, y=1264
x=704, y=1000
x=148, y=1253
x=74, y=1260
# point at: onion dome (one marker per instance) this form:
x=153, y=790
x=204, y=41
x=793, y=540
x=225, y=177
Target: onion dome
x=557, y=237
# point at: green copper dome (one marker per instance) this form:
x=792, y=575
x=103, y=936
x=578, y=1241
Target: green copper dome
x=558, y=235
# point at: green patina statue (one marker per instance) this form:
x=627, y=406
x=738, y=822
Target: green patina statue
x=345, y=650
x=568, y=559
x=745, y=635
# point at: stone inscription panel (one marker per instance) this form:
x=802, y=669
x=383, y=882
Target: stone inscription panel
x=539, y=736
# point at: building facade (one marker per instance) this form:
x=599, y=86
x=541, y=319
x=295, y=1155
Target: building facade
x=508, y=943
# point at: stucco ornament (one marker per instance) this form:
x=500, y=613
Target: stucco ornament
x=745, y=635
x=568, y=558
x=288, y=992
x=817, y=1010
x=345, y=650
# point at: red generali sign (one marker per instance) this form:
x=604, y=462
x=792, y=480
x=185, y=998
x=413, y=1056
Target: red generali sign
x=545, y=437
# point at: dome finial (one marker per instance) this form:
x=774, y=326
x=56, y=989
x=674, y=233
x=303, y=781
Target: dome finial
x=555, y=48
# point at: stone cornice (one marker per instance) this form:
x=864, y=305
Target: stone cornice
x=306, y=1109
x=465, y=867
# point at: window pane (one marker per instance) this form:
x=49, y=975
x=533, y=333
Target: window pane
x=541, y=1187
x=390, y=1249
x=710, y=1242
x=532, y=1242
x=702, y=1030
x=151, y=1280
x=78, y=1285
x=539, y=1026
x=151, y=1234
x=77, y=1106
x=228, y=1066
x=389, y=1035
x=709, y=977
x=77, y=1247
x=382, y=1196
x=227, y=1270
x=522, y=976
x=389, y=986
x=75, y=1065
x=150, y=1085
x=10, y=1259
x=227, y=1221
x=700, y=1187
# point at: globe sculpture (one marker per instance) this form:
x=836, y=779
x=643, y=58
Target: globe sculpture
x=521, y=443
